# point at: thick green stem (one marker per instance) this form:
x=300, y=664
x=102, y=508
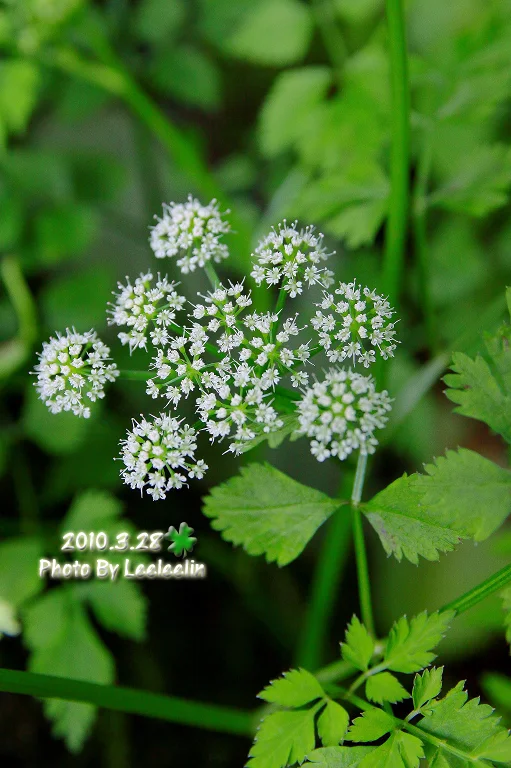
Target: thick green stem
x=173, y=709
x=364, y=585
x=328, y=572
x=475, y=595
x=400, y=152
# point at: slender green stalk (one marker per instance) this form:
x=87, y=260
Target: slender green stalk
x=364, y=585
x=173, y=709
x=212, y=275
x=14, y=353
x=135, y=375
x=400, y=153
x=475, y=595
x=328, y=572
x=421, y=243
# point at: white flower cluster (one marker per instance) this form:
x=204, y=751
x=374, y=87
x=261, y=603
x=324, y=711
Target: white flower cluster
x=192, y=232
x=289, y=257
x=159, y=455
x=72, y=372
x=248, y=354
x=145, y=310
x=357, y=325
x=341, y=413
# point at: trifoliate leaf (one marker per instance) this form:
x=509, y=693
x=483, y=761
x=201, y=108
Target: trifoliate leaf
x=462, y=495
x=267, y=512
x=19, y=577
x=427, y=686
x=294, y=689
x=120, y=606
x=467, y=725
x=358, y=647
x=333, y=724
x=506, y=604
x=283, y=738
x=371, y=725
x=482, y=387
x=272, y=33
x=338, y=757
x=64, y=643
x=401, y=750
x=385, y=687
x=410, y=643
x=293, y=95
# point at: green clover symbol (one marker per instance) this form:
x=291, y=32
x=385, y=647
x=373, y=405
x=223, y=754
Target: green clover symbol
x=182, y=540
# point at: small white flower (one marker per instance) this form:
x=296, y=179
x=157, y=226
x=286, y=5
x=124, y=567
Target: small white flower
x=192, y=232
x=357, y=325
x=9, y=625
x=72, y=372
x=145, y=310
x=290, y=257
x=159, y=455
x=341, y=413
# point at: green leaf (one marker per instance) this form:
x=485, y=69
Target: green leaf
x=78, y=300
x=268, y=512
x=358, y=647
x=427, y=686
x=506, y=604
x=283, y=738
x=333, y=724
x=385, y=687
x=371, y=725
x=338, y=757
x=187, y=74
x=294, y=689
x=462, y=495
x=272, y=33
x=90, y=511
x=294, y=94
x=410, y=643
x=19, y=577
x=55, y=433
x=467, y=725
x=157, y=20
x=61, y=232
x=401, y=750
x=70, y=648
x=19, y=85
x=119, y=606
x=481, y=387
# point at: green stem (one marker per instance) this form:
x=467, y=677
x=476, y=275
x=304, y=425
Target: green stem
x=327, y=575
x=173, y=709
x=474, y=596
x=364, y=586
x=211, y=275
x=331, y=34
x=421, y=243
x=400, y=153
x=135, y=375
x=14, y=353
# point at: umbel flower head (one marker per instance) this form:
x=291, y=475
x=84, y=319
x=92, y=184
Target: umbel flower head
x=355, y=324
x=341, y=413
x=145, y=310
x=289, y=257
x=159, y=455
x=192, y=232
x=72, y=372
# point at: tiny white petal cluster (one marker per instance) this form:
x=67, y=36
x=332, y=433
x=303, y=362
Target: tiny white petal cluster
x=145, y=310
x=192, y=232
x=289, y=258
x=341, y=413
x=72, y=372
x=9, y=625
x=357, y=325
x=159, y=455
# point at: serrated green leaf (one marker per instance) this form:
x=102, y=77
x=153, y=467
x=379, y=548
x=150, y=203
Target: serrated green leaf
x=272, y=32
x=119, y=606
x=338, y=757
x=427, y=686
x=292, y=97
x=462, y=495
x=294, y=689
x=333, y=724
x=283, y=738
x=70, y=648
x=358, y=646
x=19, y=577
x=439, y=761
x=401, y=750
x=371, y=725
x=410, y=748
x=410, y=643
x=267, y=512
x=385, y=687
